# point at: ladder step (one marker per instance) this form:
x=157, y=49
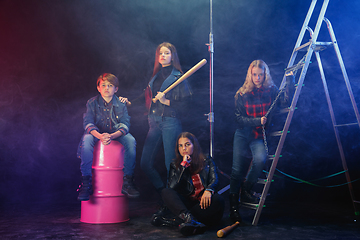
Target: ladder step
x=277, y=133
x=342, y=125
x=271, y=157
x=284, y=110
x=319, y=46
x=250, y=205
x=295, y=67
x=263, y=180
x=303, y=47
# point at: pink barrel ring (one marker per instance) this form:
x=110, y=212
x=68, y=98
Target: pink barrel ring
x=107, y=204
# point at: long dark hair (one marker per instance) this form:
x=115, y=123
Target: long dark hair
x=174, y=57
x=197, y=157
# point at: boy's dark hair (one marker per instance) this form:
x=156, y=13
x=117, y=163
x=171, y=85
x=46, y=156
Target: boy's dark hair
x=108, y=77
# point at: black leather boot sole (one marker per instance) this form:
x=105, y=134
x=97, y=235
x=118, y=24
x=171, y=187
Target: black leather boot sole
x=188, y=229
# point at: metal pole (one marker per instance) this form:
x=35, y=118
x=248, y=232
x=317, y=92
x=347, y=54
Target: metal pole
x=211, y=113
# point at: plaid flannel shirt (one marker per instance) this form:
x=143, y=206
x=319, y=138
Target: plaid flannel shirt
x=257, y=103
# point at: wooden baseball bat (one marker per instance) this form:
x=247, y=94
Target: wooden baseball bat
x=225, y=231
x=185, y=76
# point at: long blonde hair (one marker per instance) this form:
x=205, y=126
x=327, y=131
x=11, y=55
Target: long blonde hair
x=248, y=85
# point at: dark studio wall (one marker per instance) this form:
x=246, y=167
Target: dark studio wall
x=51, y=53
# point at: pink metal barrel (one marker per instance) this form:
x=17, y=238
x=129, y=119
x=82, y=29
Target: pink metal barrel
x=107, y=204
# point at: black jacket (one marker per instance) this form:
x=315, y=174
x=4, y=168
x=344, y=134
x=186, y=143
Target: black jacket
x=242, y=119
x=178, y=96
x=245, y=121
x=180, y=179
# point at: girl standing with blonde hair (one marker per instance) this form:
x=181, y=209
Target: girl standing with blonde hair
x=252, y=101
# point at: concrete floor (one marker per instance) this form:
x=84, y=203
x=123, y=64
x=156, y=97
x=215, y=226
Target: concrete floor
x=278, y=221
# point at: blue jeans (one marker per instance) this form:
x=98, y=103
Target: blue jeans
x=242, y=142
x=163, y=130
x=87, y=148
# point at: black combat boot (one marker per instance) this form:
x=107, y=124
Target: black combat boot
x=234, y=207
x=85, y=189
x=156, y=217
x=158, y=221
x=246, y=196
x=129, y=188
x=190, y=226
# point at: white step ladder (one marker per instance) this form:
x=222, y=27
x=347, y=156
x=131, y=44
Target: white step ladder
x=310, y=47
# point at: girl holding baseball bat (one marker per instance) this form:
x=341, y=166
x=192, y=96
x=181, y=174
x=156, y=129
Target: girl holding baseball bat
x=164, y=109
x=191, y=194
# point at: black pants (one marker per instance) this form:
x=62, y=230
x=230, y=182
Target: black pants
x=178, y=204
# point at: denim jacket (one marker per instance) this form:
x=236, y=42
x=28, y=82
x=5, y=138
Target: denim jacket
x=93, y=119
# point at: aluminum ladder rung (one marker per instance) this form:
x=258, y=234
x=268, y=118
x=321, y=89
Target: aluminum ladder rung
x=295, y=67
x=303, y=47
x=272, y=157
x=253, y=206
x=284, y=110
x=346, y=124
x=276, y=134
x=318, y=46
x=261, y=181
